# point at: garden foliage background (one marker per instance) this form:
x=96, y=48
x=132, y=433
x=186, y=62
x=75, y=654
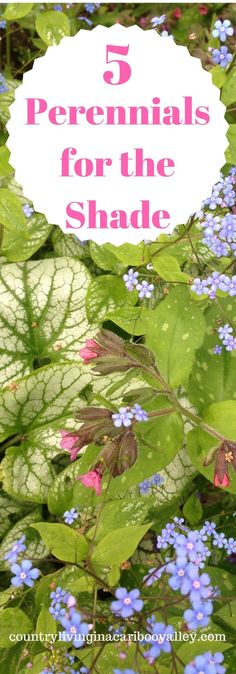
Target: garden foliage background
x=55, y=294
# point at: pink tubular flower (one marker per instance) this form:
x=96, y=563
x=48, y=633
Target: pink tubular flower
x=89, y=351
x=67, y=440
x=224, y=482
x=92, y=479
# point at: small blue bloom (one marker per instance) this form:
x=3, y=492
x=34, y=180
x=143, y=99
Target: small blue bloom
x=145, y=289
x=58, y=595
x=200, y=287
x=158, y=20
x=208, y=529
x=224, y=331
x=199, y=615
x=3, y=23
x=160, y=645
x=17, y=547
x=127, y=603
x=122, y=418
x=153, y=575
x=58, y=8
x=70, y=516
x=221, y=56
x=217, y=349
x=27, y=210
x=130, y=279
x=230, y=546
x=91, y=6
x=139, y=413
x=57, y=611
x=74, y=629
x=24, y=574
x=223, y=29
x=124, y=671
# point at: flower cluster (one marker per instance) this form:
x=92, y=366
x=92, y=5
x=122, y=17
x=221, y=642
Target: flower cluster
x=63, y=610
x=3, y=84
x=131, y=282
x=229, y=341
x=155, y=481
x=210, y=663
x=222, y=30
x=214, y=282
x=125, y=416
x=23, y=573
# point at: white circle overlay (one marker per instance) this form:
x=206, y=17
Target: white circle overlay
x=72, y=74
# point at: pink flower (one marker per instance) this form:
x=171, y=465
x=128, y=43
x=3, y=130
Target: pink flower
x=221, y=483
x=89, y=351
x=67, y=440
x=92, y=479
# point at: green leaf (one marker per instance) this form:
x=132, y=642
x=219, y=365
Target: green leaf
x=52, y=26
x=129, y=254
x=228, y=95
x=65, y=491
x=105, y=294
x=47, y=395
x=222, y=417
x=218, y=76
x=67, y=245
x=17, y=248
x=64, y=543
x=168, y=268
x=231, y=150
x=8, y=508
x=5, y=168
x=51, y=323
x=173, y=332
x=11, y=214
x=117, y=546
x=213, y=377
x=15, y=10
x=192, y=510
x=13, y=621
x=35, y=547
x=46, y=623
x=7, y=99
x=131, y=321
x=104, y=258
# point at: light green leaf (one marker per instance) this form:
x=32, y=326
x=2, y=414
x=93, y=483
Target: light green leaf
x=118, y=545
x=64, y=543
x=105, y=294
x=131, y=321
x=130, y=254
x=13, y=621
x=105, y=259
x=168, y=268
x=213, y=377
x=11, y=213
x=46, y=623
x=5, y=168
x=174, y=332
x=17, y=248
x=15, y=10
x=222, y=417
x=7, y=99
x=229, y=89
x=218, y=76
x=34, y=545
x=42, y=314
x=231, y=150
x=192, y=510
x=52, y=26
x=47, y=395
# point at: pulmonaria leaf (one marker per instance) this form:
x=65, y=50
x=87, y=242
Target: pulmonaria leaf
x=174, y=331
x=8, y=509
x=213, y=377
x=42, y=314
x=105, y=294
